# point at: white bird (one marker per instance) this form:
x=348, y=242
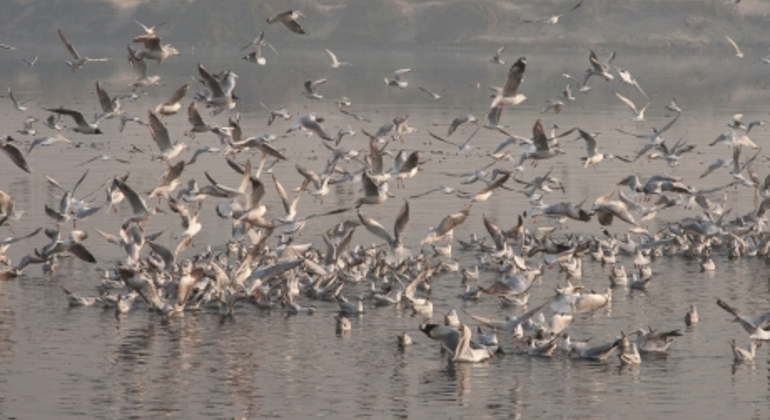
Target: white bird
x=19, y=105
x=336, y=63
x=691, y=317
x=173, y=104
x=312, y=123
x=289, y=20
x=396, y=79
x=160, y=135
x=434, y=95
x=83, y=126
x=626, y=77
x=141, y=78
x=600, y=68
x=220, y=91
x=78, y=61
x=638, y=113
x=497, y=58
x=744, y=355
x=464, y=352
x=256, y=55
x=738, y=52
x=553, y=20
x=754, y=325
x=673, y=106
x=311, y=88
x=629, y=354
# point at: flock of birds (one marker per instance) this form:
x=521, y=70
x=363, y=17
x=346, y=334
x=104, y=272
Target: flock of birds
x=250, y=270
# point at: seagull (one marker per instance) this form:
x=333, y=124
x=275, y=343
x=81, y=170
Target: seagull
x=336, y=63
x=28, y=130
x=110, y=106
x=289, y=19
x=311, y=123
x=433, y=95
x=195, y=119
x=466, y=353
x=52, y=122
x=445, y=228
x=581, y=85
x=373, y=193
x=256, y=55
x=553, y=20
x=638, y=113
x=508, y=96
x=738, y=52
x=691, y=317
x=567, y=93
x=738, y=124
x=458, y=121
x=593, y=157
x=600, y=68
x=484, y=194
x=78, y=61
x=161, y=137
x=173, y=104
x=396, y=79
x=220, y=91
x=141, y=78
x=7, y=47
x=83, y=126
x=275, y=113
x=626, y=77
x=463, y=147
x=30, y=63
x=47, y=141
x=543, y=150
x=154, y=49
x=754, y=325
x=673, y=106
x=399, y=229
x=497, y=58
x=311, y=88
x=654, y=138
x=19, y=105
x=14, y=154
x=125, y=118
x=554, y=105
x=719, y=163
x=744, y=355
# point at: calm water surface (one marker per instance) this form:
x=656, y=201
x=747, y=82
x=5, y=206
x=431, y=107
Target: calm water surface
x=58, y=362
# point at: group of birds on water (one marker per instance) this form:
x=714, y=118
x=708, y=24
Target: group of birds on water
x=249, y=270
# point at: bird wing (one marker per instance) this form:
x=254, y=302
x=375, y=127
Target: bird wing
x=539, y=137
x=515, y=77
x=178, y=95
x=69, y=46
x=399, y=227
x=580, y=3
x=211, y=83
x=104, y=98
x=730, y=40
x=76, y=115
x=667, y=126
x=590, y=142
x=627, y=102
x=282, y=193
x=16, y=156
x=158, y=132
x=193, y=116
x=375, y=227
x=333, y=57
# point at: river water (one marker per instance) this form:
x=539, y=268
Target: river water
x=61, y=362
